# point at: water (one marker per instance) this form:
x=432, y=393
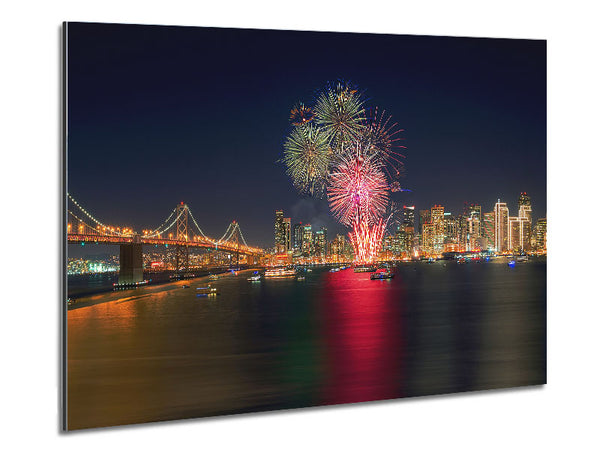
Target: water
x=160, y=352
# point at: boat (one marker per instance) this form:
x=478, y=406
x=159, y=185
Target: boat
x=280, y=272
x=382, y=274
x=359, y=269
x=430, y=261
x=206, y=291
x=521, y=258
x=512, y=263
x=213, y=277
x=255, y=277
x=300, y=278
x=186, y=286
x=334, y=269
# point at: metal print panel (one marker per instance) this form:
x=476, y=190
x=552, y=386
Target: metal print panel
x=259, y=220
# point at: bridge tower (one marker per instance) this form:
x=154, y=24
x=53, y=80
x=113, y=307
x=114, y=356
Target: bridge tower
x=235, y=240
x=182, y=252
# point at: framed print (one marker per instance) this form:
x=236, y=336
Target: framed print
x=261, y=220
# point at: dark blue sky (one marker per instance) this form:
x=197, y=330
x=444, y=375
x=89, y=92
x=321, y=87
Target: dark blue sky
x=159, y=115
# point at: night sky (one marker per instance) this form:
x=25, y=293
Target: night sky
x=159, y=115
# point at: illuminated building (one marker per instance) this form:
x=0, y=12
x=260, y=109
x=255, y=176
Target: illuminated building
x=338, y=248
x=525, y=206
x=539, y=235
x=525, y=217
x=514, y=234
x=408, y=218
x=280, y=244
x=307, y=241
x=474, y=227
x=428, y=234
x=489, y=228
x=463, y=232
x=424, y=217
x=287, y=233
x=450, y=229
x=321, y=242
x=437, y=219
x=283, y=233
x=297, y=233
x=501, y=227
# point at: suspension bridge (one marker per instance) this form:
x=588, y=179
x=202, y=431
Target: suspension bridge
x=179, y=231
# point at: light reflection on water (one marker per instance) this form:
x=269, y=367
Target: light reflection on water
x=160, y=352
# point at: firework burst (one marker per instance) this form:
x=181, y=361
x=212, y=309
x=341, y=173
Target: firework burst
x=358, y=189
x=339, y=110
x=307, y=156
x=301, y=114
x=381, y=136
x=351, y=153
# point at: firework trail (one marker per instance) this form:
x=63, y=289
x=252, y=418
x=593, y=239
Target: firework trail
x=339, y=110
x=366, y=241
x=358, y=189
x=307, y=156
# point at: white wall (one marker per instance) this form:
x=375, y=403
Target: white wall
x=561, y=413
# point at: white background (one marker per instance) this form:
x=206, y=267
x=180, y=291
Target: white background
x=562, y=414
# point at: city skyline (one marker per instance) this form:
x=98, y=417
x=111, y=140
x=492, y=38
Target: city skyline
x=474, y=134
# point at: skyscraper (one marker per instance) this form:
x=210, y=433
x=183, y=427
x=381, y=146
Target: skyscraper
x=307, y=241
x=427, y=238
x=408, y=216
x=539, y=235
x=437, y=219
x=474, y=226
x=297, y=232
x=525, y=217
x=280, y=244
x=488, y=230
x=287, y=233
x=501, y=227
x=525, y=206
x=321, y=242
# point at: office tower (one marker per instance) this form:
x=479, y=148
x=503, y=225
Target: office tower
x=321, y=242
x=428, y=236
x=307, y=241
x=514, y=234
x=437, y=219
x=525, y=216
x=488, y=228
x=540, y=235
x=463, y=232
x=450, y=228
x=525, y=206
x=297, y=232
x=424, y=217
x=408, y=216
x=501, y=227
x=280, y=238
x=338, y=247
x=287, y=233
x=474, y=225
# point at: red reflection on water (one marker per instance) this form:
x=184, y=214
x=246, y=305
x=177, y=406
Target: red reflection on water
x=362, y=331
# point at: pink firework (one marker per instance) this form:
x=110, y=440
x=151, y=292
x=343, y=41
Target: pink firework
x=358, y=189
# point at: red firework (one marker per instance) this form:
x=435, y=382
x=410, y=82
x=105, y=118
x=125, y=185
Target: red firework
x=358, y=189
